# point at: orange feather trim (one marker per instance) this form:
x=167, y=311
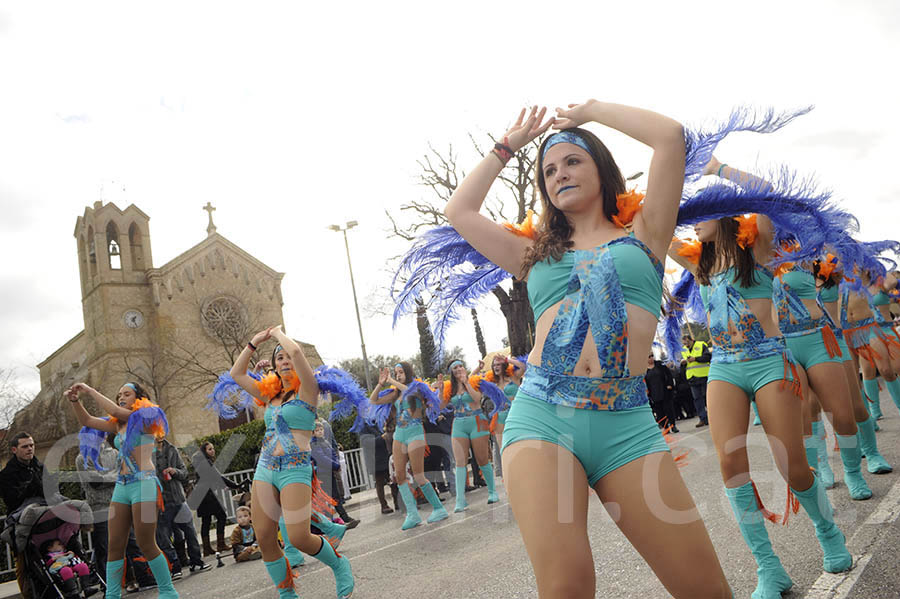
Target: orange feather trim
x=321, y=501
x=679, y=458
x=791, y=368
x=690, y=249
x=628, y=205
x=827, y=266
x=831, y=342
x=288, y=582
x=770, y=516
x=446, y=392
x=489, y=377
x=747, y=231
x=524, y=228
x=271, y=385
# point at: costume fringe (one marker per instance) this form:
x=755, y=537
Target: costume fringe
x=831, y=342
x=770, y=516
x=288, y=582
x=681, y=459
x=146, y=418
x=790, y=368
x=321, y=501
x=90, y=440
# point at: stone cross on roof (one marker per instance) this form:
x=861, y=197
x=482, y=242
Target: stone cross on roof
x=211, y=228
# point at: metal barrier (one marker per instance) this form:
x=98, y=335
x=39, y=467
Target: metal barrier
x=356, y=470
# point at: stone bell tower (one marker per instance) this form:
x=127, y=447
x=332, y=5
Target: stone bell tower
x=113, y=259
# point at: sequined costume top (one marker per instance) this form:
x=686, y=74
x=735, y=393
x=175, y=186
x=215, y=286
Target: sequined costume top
x=724, y=300
x=594, y=286
x=404, y=414
x=461, y=403
x=132, y=472
x=789, y=290
x=291, y=414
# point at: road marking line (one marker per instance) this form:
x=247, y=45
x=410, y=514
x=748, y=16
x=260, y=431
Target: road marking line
x=839, y=586
x=428, y=530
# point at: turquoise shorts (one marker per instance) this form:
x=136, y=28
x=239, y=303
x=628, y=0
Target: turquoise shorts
x=846, y=356
x=138, y=490
x=283, y=470
x=601, y=440
x=810, y=350
x=469, y=427
x=751, y=375
x=410, y=433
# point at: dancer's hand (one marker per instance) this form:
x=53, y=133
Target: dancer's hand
x=575, y=116
x=712, y=167
x=383, y=376
x=525, y=130
x=260, y=337
x=478, y=368
x=440, y=383
x=79, y=388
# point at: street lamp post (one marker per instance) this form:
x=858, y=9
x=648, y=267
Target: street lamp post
x=362, y=342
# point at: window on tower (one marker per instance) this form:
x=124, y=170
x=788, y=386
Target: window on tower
x=112, y=247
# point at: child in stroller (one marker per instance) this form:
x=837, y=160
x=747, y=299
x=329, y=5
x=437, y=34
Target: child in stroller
x=41, y=529
x=65, y=565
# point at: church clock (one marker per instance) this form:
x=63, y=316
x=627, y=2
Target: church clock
x=133, y=319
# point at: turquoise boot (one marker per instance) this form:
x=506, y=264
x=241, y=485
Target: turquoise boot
x=438, y=512
x=283, y=578
x=815, y=502
x=160, y=568
x=851, y=457
x=871, y=400
x=894, y=389
x=333, y=531
x=461, y=503
x=812, y=451
x=293, y=555
x=340, y=565
x=487, y=471
x=772, y=580
x=115, y=572
x=756, y=420
x=413, y=518
x=875, y=462
x=826, y=474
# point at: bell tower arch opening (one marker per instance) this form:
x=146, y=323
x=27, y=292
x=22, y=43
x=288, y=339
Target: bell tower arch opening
x=113, y=250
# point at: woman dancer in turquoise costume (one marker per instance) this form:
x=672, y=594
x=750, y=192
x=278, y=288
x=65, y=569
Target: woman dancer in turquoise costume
x=470, y=428
x=507, y=374
x=137, y=495
x=581, y=418
x=750, y=358
x=409, y=438
x=284, y=479
x=827, y=281
x=881, y=309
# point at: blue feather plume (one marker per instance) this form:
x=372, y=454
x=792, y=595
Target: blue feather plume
x=378, y=414
x=495, y=394
x=90, y=440
x=429, y=398
x=340, y=383
x=700, y=143
x=139, y=423
x=685, y=303
x=228, y=399
x=798, y=209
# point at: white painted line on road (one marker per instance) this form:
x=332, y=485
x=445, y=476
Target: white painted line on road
x=428, y=530
x=839, y=586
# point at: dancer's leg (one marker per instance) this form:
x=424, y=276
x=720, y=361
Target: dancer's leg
x=143, y=516
x=482, y=449
x=119, y=527
x=266, y=509
x=460, y=456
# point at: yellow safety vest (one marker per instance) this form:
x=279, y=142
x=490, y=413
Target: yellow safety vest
x=695, y=368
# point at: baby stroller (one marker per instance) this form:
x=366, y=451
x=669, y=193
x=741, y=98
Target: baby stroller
x=38, y=523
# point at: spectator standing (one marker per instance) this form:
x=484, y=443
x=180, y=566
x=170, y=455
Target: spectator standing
x=697, y=356
x=21, y=484
x=661, y=389
x=98, y=489
x=209, y=507
x=176, y=520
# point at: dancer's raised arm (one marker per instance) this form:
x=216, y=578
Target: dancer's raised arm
x=82, y=415
x=103, y=402
x=309, y=387
x=239, y=369
x=498, y=245
x=655, y=223
x=762, y=249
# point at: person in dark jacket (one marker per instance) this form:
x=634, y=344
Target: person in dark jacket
x=660, y=388
x=327, y=464
x=175, y=526
x=377, y=453
x=684, y=400
x=203, y=462
x=21, y=484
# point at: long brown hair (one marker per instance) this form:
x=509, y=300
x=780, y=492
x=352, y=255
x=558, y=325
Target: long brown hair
x=554, y=232
x=732, y=255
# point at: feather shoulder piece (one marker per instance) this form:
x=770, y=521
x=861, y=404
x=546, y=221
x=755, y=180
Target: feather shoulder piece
x=228, y=399
x=339, y=383
x=685, y=305
x=146, y=418
x=525, y=228
x=690, y=249
x=748, y=231
x=90, y=440
x=429, y=398
x=628, y=205
x=498, y=398
x=701, y=142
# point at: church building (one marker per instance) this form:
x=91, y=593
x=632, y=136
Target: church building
x=172, y=328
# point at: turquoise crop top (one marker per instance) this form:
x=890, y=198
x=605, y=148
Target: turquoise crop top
x=298, y=414
x=829, y=294
x=641, y=285
x=762, y=288
x=881, y=299
x=801, y=282
x=510, y=390
x=142, y=440
x=462, y=404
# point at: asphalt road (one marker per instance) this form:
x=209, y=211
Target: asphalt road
x=480, y=553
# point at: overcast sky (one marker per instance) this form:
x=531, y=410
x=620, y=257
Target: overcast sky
x=289, y=117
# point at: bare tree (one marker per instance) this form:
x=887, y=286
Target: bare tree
x=440, y=173
x=12, y=397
